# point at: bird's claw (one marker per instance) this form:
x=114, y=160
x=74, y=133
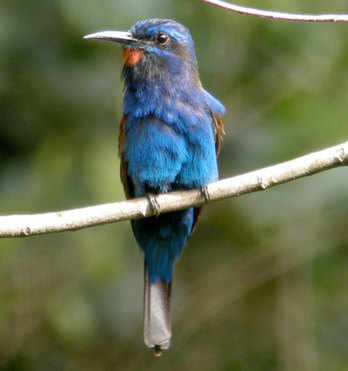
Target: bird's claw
x=154, y=204
x=205, y=193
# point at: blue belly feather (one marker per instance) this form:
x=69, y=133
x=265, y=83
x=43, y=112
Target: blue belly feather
x=168, y=147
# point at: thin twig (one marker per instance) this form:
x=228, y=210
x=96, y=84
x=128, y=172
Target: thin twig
x=29, y=225
x=279, y=15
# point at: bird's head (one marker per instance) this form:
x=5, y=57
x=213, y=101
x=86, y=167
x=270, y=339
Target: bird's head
x=153, y=48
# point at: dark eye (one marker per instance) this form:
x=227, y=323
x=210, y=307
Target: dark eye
x=162, y=38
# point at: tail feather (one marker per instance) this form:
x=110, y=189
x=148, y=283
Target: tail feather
x=157, y=323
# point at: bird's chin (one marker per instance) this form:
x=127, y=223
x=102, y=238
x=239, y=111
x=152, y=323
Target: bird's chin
x=132, y=56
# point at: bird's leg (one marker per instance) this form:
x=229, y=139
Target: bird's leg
x=205, y=193
x=154, y=204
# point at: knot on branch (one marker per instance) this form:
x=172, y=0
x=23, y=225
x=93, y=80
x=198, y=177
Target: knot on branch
x=341, y=156
x=265, y=181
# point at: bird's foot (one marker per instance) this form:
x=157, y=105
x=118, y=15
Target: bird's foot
x=154, y=204
x=205, y=193
x=157, y=351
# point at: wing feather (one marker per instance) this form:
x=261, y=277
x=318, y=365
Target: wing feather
x=219, y=131
x=125, y=179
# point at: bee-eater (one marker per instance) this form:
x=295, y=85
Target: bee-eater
x=169, y=139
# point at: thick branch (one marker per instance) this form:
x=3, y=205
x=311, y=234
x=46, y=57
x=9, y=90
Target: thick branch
x=279, y=15
x=28, y=225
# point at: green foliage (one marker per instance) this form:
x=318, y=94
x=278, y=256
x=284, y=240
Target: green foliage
x=262, y=283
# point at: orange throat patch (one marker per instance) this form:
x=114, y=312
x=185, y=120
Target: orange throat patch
x=132, y=56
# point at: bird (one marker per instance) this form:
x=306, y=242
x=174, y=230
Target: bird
x=169, y=139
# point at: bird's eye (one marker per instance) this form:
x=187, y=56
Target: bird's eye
x=162, y=38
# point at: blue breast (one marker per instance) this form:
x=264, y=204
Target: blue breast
x=169, y=144
x=170, y=140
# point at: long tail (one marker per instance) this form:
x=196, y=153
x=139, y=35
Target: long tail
x=157, y=324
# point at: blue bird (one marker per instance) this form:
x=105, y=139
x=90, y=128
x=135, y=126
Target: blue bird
x=169, y=139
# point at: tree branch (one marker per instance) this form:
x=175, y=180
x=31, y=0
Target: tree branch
x=29, y=225
x=279, y=15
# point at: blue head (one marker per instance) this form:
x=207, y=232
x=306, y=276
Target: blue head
x=164, y=40
x=155, y=50
x=164, y=54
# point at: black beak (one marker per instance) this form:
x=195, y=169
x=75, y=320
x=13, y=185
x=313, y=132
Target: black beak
x=116, y=36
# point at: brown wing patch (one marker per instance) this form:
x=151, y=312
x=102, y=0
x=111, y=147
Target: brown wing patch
x=219, y=131
x=126, y=181
x=122, y=135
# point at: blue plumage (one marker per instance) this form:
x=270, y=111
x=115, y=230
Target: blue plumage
x=162, y=240
x=170, y=136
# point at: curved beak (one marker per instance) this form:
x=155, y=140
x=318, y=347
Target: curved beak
x=116, y=36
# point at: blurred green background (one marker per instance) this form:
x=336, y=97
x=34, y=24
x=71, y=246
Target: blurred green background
x=262, y=284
